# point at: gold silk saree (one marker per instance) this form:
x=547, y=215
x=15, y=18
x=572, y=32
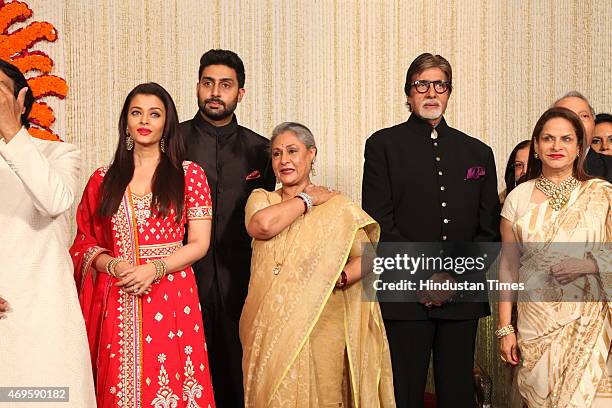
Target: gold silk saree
x=304, y=341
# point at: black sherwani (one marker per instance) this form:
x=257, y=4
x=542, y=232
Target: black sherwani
x=599, y=165
x=236, y=161
x=416, y=188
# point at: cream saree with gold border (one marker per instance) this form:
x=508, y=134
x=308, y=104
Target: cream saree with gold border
x=282, y=311
x=564, y=345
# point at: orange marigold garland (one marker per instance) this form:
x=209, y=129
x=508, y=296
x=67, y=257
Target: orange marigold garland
x=15, y=47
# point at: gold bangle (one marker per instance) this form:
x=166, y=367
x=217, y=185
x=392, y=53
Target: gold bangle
x=504, y=331
x=111, y=267
x=160, y=269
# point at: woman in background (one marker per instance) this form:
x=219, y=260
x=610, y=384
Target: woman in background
x=136, y=285
x=516, y=167
x=602, y=141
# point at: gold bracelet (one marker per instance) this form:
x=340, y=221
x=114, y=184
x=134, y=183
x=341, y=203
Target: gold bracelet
x=504, y=331
x=160, y=269
x=111, y=266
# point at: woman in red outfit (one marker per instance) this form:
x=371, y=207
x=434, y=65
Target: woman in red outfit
x=136, y=285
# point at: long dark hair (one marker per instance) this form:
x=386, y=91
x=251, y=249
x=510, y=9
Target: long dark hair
x=511, y=182
x=19, y=82
x=168, y=183
x=534, y=167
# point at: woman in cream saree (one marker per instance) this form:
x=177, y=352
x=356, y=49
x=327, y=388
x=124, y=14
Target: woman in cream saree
x=309, y=339
x=564, y=321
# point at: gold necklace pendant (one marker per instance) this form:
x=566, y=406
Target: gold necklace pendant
x=558, y=194
x=277, y=268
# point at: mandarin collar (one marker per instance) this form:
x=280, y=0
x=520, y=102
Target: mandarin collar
x=208, y=128
x=418, y=122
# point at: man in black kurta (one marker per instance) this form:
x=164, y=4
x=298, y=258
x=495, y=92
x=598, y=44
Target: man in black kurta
x=420, y=184
x=236, y=161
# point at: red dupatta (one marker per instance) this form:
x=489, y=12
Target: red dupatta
x=92, y=238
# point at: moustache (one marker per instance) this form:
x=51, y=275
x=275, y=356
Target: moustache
x=217, y=100
x=431, y=102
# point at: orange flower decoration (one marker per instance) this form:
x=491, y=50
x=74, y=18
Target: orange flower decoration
x=15, y=47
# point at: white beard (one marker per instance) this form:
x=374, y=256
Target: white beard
x=429, y=114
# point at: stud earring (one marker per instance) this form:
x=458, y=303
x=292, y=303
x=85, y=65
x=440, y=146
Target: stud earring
x=535, y=155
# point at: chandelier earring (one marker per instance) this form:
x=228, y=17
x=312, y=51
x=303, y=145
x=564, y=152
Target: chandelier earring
x=535, y=155
x=129, y=141
x=162, y=144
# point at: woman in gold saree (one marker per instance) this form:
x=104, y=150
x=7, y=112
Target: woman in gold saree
x=557, y=228
x=309, y=338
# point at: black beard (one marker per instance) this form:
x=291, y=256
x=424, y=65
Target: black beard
x=217, y=114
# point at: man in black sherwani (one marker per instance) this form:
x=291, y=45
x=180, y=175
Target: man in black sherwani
x=424, y=181
x=236, y=161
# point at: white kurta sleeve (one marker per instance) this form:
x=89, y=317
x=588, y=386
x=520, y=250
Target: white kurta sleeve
x=49, y=178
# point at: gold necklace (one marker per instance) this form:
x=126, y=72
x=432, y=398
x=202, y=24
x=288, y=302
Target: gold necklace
x=278, y=264
x=558, y=194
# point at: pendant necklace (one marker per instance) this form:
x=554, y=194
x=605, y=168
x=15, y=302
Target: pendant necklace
x=278, y=263
x=558, y=194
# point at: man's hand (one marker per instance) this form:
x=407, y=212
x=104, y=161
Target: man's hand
x=436, y=297
x=11, y=110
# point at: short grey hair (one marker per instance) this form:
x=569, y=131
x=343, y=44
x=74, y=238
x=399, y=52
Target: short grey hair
x=300, y=131
x=575, y=94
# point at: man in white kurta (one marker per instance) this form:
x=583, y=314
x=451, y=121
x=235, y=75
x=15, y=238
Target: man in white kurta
x=43, y=342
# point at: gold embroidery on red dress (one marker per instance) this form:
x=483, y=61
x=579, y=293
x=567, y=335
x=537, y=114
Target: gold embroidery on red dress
x=191, y=389
x=164, y=398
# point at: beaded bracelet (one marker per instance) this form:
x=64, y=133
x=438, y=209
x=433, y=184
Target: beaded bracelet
x=160, y=269
x=504, y=331
x=307, y=201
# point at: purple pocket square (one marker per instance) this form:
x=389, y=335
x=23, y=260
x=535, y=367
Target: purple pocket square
x=475, y=173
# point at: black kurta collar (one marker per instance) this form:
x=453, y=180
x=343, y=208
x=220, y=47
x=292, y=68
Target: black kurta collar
x=415, y=121
x=212, y=130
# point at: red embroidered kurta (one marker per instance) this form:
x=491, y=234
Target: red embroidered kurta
x=146, y=350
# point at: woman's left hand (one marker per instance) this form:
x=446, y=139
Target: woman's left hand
x=137, y=280
x=570, y=269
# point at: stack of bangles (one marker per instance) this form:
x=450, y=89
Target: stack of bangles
x=160, y=269
x=111, y=266
x=504, y=331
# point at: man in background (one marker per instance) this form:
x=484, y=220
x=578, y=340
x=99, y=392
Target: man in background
x=595, y=164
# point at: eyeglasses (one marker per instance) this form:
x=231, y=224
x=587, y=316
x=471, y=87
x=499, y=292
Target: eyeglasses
x=519, y=165
x=422, y=86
